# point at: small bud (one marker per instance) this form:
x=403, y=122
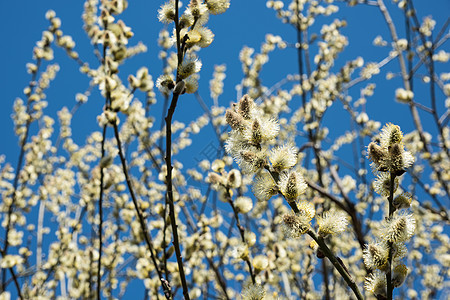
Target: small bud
x=179, y=88
x=251, y=161
x=218, y=165
x=166, y=14
x=376, y=154
x=376, y=283
x=264, y=187
x=292, y=185
x=402, y=201
x=234, y=120
x=241, y=251
x=106, y=161
x=111, y=117
x=283, y=157
x=332, y=222
x=253, y=292
x=295, y=225
x=260, y=263
x=404, y=96
x=255, y=134
x=399, y=275
x=134, y=82
x=189, y=67
x=245, y=107
x=234, y=179
x=215, y=178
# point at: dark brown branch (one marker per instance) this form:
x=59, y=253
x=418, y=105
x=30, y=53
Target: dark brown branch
x=146, y=234
x=100, y=212
x=173, y=221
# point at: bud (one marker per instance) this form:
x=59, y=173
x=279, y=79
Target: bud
x=295, y=225
x=260, y=263
x=332, y=222
x=264, y=187
x=376, y=283
x=189, y=67
x=215, y=178
x=250, y=161
x=283, y=157
x=402, y=201
x=404, y=96
x=376, y=154
x=376, y=256
x=241, y=251
x=399, y=275
x=395, y=157
x=106, y=161
x=218, y=165
x=390, y=134
x=216, y=7
x=179, y=88
x=134, y=82
x=245, y=107
x=292, y=185
x=255, y=135
x=234, y=120
x=243, y=204
x=234, y=179
x=399, y=228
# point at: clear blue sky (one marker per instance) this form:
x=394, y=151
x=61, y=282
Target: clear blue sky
x=245, y=23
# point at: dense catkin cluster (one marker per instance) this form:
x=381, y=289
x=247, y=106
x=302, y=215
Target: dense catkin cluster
x=389, y=161
x=390, y=155
x=250, y=143
x=252, y=130
x=192, y=35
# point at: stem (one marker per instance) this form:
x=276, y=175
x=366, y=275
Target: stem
x=339, y=267
x=173, y=221
x=390, y=288
x=242, y=232
x=23, y=142
x=147, y=236
x=100, y=212
x=169, y=183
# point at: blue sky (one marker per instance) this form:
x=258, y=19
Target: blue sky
x=245, y=23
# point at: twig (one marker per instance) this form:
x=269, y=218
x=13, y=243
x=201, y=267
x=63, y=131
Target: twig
x=339, y=267
x=23, y=142
x=146, y=234
x=170, y=193
x=390, y=287
x=100, y=212
x=241, y=231
x=13, y=275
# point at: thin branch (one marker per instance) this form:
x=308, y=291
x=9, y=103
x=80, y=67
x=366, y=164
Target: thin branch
x=146, y=234
x=14, y=277
x=339, y=267
x=241, y=231
x=100, y=212
x=390, y=287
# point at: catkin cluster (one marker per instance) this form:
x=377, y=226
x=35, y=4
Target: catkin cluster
x=384, y=256
x=190, y=33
